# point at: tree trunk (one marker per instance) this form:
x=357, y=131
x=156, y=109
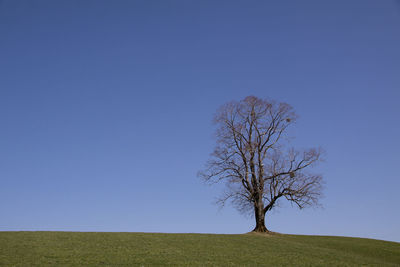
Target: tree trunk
x=260, y=220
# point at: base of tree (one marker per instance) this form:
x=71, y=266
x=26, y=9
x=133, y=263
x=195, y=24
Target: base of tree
x=265, y=234
x=261, y=229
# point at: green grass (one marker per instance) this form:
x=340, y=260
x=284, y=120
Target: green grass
x=148, y=249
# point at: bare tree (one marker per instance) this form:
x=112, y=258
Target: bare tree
x=250, y=158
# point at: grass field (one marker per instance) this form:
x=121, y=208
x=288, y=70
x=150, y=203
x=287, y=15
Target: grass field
x=148, y=249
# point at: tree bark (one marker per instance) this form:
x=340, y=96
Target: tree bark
x=260, y=220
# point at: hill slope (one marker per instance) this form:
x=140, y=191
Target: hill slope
x=148, y=249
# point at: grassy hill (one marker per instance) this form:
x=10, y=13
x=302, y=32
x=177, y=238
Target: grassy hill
x=148, y=249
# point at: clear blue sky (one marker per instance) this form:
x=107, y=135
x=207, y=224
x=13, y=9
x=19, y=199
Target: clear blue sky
x=106, y=109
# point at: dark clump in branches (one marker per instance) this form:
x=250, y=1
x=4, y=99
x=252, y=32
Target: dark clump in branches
x=250, y=158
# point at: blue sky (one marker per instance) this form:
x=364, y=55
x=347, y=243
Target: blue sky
x=106, y=110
